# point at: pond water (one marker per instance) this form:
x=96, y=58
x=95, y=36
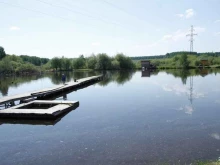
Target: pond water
x=166, y=117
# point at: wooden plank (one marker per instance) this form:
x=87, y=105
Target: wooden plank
x=47, y=91
x=60, y=108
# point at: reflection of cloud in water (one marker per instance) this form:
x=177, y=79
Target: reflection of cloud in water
x=215, y=136
x=180, y=89
x=216, y=90
x=187, y=109
x=158, y=96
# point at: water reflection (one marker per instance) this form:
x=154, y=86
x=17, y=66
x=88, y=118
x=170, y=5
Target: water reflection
x=148, y=73
x=184, y=74
x=15, y=81
x=157, y=110
x=215, y=136
x=119, y=77
x=56, y=77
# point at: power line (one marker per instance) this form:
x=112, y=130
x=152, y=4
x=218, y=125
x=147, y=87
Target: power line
x=55, y=16
x=121, y=9
x=54, y=5
x=191, y=34
x=37, y=11
x=77, y=12
x=89, y=12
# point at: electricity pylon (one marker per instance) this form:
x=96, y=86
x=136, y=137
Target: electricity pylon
x=191, y=34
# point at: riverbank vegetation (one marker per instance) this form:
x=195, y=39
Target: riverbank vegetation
x=95, y=62
x=178, y=60
x=23, y=64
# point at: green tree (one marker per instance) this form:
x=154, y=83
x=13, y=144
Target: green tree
x=124, y=62
x=66, y=63
x=103, y=62
x=184, y=63
x=196, y=63
x=55, y=63
x=91, y=62
x=34, y=60
x=115, y=64
x=2, y=53
x=79, y=63
x=175, y=58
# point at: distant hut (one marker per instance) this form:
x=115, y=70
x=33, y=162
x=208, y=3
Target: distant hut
x=204, y=62
x=145, y=65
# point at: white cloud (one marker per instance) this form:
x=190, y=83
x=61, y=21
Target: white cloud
x=167, y=37
x=217, y=21
x=181, y=34
x=96, y=44
x=188, y=14
x=217, y=101
x=180, y=15
x=14, y=28
x=176, y=36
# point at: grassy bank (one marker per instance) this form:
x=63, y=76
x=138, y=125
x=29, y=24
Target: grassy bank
x=177, y=61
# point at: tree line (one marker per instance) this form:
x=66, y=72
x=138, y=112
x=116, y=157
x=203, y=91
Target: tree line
x=12, y=64
x=172, y=54
x=98, y=62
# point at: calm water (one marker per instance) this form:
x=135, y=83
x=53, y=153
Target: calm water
x=168, y=117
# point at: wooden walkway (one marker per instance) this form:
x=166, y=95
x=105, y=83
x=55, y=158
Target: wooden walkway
x=9, y=100
x=39, y=109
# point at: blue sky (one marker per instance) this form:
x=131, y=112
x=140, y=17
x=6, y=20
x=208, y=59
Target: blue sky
x=48, y=28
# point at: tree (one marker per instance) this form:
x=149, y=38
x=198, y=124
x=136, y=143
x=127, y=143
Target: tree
x=115, y=64
x=55, y=63
x=103, y=62
x=34, y=60
x=184, y=61
x=91, y=62
x=66, y=63
x=2, y=53
x=79, y=63
x=124, y=62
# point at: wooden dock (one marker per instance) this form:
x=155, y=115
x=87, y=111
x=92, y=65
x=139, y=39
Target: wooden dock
x=39, y=109
x=40, y=94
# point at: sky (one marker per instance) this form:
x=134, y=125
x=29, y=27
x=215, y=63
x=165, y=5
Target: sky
x=49, y=28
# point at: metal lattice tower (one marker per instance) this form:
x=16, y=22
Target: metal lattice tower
x=191, y=37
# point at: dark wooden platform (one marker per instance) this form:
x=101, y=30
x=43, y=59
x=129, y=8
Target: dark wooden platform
x=39, y=109
x=9, y=100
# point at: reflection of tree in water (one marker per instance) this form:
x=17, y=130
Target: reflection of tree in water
x=7, y=82
x=184, y=74
x=56, y=76
x=120, y=77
